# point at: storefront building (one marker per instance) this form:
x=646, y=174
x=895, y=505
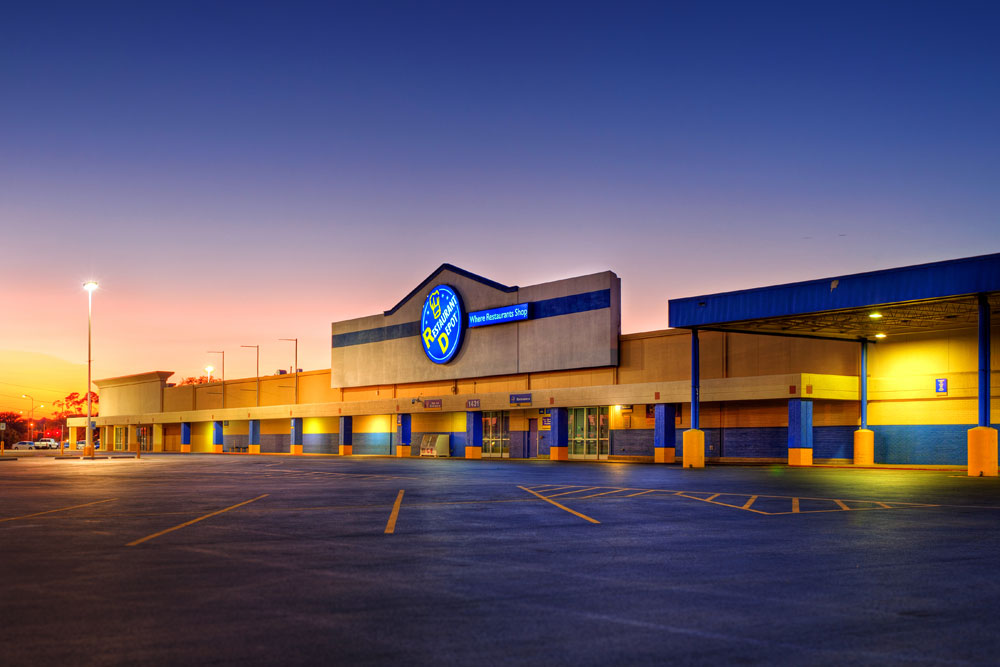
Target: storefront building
x=885, y=367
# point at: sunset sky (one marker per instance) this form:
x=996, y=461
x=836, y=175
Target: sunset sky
x=235, y=173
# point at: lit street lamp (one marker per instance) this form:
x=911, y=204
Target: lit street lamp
x=256, y=347
x=90, y=286
x=31, y=418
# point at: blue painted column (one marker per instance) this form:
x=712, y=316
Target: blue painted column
x=800, y=432
x=984, y=360
x=664, y=433
x=695, y=380
x=559, y=434
x=404, y=448
x=474, y=435
x=346, y=429
x=864, y=438
x=296, y=435
x=185, y=436
x=693, y=440
x=253, y=442
x=217, y=437
x=982, y=440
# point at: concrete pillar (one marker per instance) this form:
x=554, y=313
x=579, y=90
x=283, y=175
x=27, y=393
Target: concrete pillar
x=404, y=448
x=982, y=440
x=559, y=434
x=132, y=436
x=186, y=437
x=253, y=441
x=217, y=438
x=693, y=443
x=664, y=433
x=346, y=436
x=864, y=447
x=800, y=432
x=296, y=434
x=157, y=437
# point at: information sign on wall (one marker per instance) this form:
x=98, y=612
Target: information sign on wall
x=472, y=404
x=432, y=403
x=520, y=400
x=441, y=324
x=941, y=386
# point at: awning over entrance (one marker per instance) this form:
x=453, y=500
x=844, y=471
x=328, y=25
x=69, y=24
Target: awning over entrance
x=911, y=299
x=954, y=294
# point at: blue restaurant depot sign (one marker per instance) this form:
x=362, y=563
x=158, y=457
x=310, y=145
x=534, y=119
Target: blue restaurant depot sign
x=441, y=324
x=481, y=318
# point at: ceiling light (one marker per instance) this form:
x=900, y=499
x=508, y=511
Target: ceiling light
x=875, y=316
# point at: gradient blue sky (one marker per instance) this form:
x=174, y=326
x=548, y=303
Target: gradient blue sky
x=237, y=172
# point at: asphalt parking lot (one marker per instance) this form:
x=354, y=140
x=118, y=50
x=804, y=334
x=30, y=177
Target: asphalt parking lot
x=305, y=560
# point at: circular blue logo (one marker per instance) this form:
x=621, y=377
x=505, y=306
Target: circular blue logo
x=441, y=324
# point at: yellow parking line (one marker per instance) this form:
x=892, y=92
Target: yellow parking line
x=61, y=509
x=391, y=526
x=577, y=490
x=841, y=504
x=711, y=498
x=795, y=505
x=188, y=523
x=562, y=507
x=594, y=495
x=748, y=503
x=633, y=495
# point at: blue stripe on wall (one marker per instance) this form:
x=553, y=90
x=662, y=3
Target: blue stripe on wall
x=935, y=444
x=377, y=335
x=563, y=305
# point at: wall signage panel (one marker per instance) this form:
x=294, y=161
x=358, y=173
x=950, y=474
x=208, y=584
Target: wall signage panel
x=472, y=404
x=482, y=318
x=941, y=386
x=432, y=403
x=441, y=323
x=520, y=400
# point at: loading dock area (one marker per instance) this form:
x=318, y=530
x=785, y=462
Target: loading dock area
x=256, y=560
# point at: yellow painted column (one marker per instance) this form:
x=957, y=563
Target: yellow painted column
x=694, y=448
x=982, y=452
x=864, y=447
x=157, y=437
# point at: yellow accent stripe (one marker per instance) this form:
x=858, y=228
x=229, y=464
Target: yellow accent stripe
x=390, y=527
x=188, y=523
x=795, y=505
x=748, y=503
x=61, y=509
x=604, y=493
x=576, y=490
x=562, y=507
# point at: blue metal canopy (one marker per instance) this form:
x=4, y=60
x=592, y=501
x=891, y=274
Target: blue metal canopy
x=939, y=295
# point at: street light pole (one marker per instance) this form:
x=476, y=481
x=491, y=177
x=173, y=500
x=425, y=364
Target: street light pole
x=223, y=353
x=90, y=286
x=296, y=367
x=31, y=418
x=256, y=347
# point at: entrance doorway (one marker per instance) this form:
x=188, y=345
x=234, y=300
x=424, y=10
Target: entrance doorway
x=144, y=434
x=496, y=435
x=588, y=433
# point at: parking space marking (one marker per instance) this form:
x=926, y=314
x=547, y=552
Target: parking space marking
x=562, y=507
x=188, y=523
x=390, y=527
x=61, y=509
x=772, y=505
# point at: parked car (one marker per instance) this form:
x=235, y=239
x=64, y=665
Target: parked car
x=47, y=443
x=24, y=444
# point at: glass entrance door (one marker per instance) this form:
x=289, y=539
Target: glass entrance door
x=496, y=435
x=144, y=434
x=588, y=433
